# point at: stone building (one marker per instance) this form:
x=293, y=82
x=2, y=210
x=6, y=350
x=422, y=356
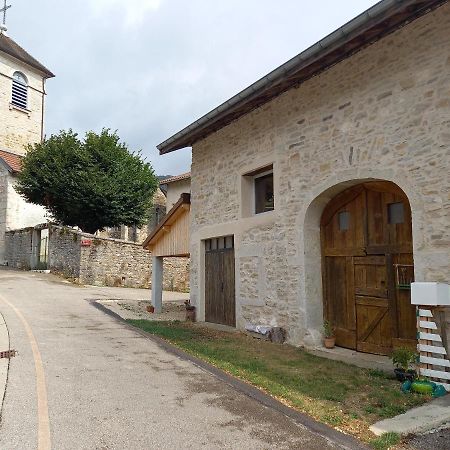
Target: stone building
x=22, y=95
x=323, y=189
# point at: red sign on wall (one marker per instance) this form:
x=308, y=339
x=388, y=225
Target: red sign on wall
x=86, y=242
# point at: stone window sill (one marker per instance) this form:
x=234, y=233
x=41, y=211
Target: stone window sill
x=18, y=108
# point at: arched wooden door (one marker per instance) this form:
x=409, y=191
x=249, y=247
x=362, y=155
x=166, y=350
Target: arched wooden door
x=366, y=235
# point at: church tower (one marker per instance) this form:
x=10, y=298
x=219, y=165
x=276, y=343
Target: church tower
x=22, y=104
x=22, y=96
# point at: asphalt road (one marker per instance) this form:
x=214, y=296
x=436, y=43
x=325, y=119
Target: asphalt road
x=83, y=380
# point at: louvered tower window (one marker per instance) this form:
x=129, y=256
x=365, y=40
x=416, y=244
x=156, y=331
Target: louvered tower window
x=19, y=90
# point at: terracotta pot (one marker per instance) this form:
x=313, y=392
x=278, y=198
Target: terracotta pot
x=190, y=313
x=329, y=342
x=151, y=309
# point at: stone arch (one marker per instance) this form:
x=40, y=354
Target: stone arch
x=310, y=245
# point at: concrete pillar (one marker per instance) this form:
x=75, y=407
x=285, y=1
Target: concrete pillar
x=157, y=282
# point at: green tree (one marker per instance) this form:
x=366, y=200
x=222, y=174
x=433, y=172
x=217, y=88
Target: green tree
x=91, y=183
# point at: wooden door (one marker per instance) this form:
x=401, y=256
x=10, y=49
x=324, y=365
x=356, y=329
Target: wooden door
x=220, y=304
x=368, y=267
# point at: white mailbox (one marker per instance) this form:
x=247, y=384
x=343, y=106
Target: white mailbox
x=430, y=293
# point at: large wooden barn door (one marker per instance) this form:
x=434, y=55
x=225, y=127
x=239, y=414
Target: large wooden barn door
x=220, y=304
x=368, y=268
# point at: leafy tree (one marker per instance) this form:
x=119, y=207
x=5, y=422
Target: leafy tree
x=91, y=183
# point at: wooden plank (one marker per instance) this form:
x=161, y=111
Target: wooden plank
x=370, y=260
x=372, y=301
x=432, y=349
x=425, y=313
x=430, y=337
x=371, y=326
x=435, y=374
x=228, y=288
x=435, y=361
x=372, y=292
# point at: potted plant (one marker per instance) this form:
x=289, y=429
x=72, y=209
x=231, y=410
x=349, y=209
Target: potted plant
x=329, y=339
x=403, y=359
x=190, y=311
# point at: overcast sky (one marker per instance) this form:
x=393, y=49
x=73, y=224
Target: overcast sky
x=148, y=68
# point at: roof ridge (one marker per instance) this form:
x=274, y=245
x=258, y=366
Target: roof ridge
x=21, y=54
x=181, y=176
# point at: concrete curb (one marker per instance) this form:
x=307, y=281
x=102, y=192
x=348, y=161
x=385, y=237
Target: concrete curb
x=430, y=416
x=4, y=362
x=344, y=441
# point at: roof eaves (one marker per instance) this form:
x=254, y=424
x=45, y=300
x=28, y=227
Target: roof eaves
x=181, y=177
x=23, y=56
x=185, y=199
x=354, y=29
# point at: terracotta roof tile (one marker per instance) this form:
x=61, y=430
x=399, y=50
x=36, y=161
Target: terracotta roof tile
x=13, y=161
x=183, y=176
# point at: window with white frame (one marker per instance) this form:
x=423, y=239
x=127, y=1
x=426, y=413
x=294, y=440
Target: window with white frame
x=19, y=96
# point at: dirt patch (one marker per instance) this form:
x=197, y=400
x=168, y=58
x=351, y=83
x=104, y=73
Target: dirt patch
x=137, y=309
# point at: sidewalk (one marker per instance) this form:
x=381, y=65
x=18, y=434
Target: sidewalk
x=432, y=415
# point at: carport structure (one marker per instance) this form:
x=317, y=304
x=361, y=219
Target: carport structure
x=169, y=239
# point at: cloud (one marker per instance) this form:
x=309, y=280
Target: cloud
x=134, y=11
x=148, y=68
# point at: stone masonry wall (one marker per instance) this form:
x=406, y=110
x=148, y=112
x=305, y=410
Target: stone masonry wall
x=18, y=248
x=64, y=251
x=383, y=113
x=176, y=274
x=110, y=262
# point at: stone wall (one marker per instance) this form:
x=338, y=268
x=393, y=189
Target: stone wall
x=93, y=260
x=109, y=262
x=176, y=274
x=64, y=251
x=383, y=113
x=18, y=248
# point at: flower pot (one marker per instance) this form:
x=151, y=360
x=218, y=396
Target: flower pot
x=190, y=313
x=151, y=309
x=329, y=342
x=404, y=375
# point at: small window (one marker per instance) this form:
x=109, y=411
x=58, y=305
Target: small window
x=264, y=198
x=396, y=213
x=229, y=242
x=19, y=90
x=344, y=220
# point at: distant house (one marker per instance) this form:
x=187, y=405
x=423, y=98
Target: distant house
x=322, y=190
x=169, y=240
x=173, y=187
x=135, y=233
x=22, y=95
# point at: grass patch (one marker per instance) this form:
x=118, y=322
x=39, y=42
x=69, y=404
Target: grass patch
x=339, y=394
x=385, y=441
